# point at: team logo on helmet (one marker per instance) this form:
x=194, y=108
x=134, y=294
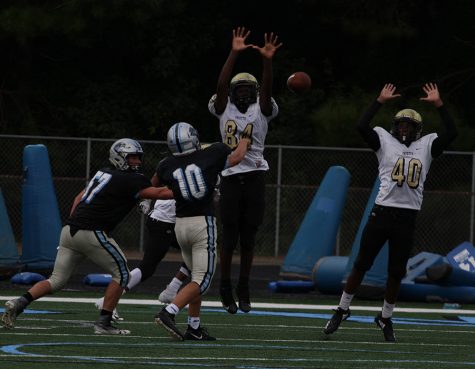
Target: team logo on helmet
x=183, y=139
x=410, y=116
x=121, y=149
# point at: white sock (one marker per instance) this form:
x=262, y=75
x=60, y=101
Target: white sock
x=345, y=300
x=135, y=278
x=175, y=284
x=184, y=271
x=387, y=309
x=194, y=322
x=172, y=309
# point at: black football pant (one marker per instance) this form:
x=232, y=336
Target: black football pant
x=396, y=226
x=242, y=204
x=161, y=235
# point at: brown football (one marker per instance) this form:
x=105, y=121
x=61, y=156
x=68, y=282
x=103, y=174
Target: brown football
x=299, y=82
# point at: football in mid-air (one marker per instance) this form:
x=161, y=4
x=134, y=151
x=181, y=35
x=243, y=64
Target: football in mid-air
x=299, y=82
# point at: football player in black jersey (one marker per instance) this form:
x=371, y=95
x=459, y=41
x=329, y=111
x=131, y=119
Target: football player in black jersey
x=107, y=199
x=191, y=173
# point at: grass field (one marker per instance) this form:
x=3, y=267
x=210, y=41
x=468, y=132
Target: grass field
x=59, y=334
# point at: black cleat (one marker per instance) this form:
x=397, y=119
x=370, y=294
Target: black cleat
x=244, y=300
x=227, y=300
x=167, y=321
x=335, y=321
x=386, y=324
x=199, y=334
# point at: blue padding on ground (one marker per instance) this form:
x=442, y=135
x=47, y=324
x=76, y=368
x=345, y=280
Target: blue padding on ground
x=8, y=250
x=40, y=213
x=328, y=274
x=316, y=236
x=434, y=292
x=27, y=278
x=291, y=286
x=417, y=265
x=459, y=277
x=97, y=279
x=463, y=257
x=377, y=275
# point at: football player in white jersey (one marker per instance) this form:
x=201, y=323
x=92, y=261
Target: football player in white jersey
x=244, y=109
x=404, y=157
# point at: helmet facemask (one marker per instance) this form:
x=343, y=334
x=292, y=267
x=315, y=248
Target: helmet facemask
x=243, y=91
x=409, y=132
x=120, y=151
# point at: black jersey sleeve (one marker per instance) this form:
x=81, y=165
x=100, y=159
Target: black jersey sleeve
x=369, y=134
x=137, y=183
x=222, y=150
x=444, y=139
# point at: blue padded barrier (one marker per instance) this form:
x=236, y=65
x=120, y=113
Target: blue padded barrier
x=463, y=257
x=417, y=265
x=27, y=278
x=433, y=292
x=97, y=279
x=40, y=213
x=316, y=236
x=374, y=282
x=291, y=286
x=447, y=275
x=328, y=274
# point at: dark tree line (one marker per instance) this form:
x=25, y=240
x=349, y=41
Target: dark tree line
x=118, y=68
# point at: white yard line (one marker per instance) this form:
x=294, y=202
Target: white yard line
x=262, y=305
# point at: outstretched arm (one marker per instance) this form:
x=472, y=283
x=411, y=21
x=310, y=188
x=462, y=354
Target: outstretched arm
x=444, y=139
x=222, y=90
x=267, y=51
x=368, y=133
x=238, y=154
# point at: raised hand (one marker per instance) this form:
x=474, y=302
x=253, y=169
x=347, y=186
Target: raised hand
x=239, y=39
x=270, y=45
x=387, y=93
x=433, y=95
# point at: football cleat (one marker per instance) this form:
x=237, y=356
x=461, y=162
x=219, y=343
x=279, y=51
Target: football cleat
x=167, y=295
x=199, y=334
x=167, y=321
x=115, y=314
x=335, y=321
x=13, y=308
x=243, y=298
x=103, y=326
x=227, y=300
x=386, y=324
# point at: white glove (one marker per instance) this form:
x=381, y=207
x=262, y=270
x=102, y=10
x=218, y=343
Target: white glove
x=145, y=206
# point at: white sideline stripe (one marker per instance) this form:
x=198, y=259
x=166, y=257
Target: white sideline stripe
x=263, y=305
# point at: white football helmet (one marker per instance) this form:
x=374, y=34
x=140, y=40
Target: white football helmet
x=121, y=149
x=183, y=139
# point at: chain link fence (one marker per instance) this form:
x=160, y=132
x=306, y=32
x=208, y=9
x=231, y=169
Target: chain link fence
x=446, y=219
